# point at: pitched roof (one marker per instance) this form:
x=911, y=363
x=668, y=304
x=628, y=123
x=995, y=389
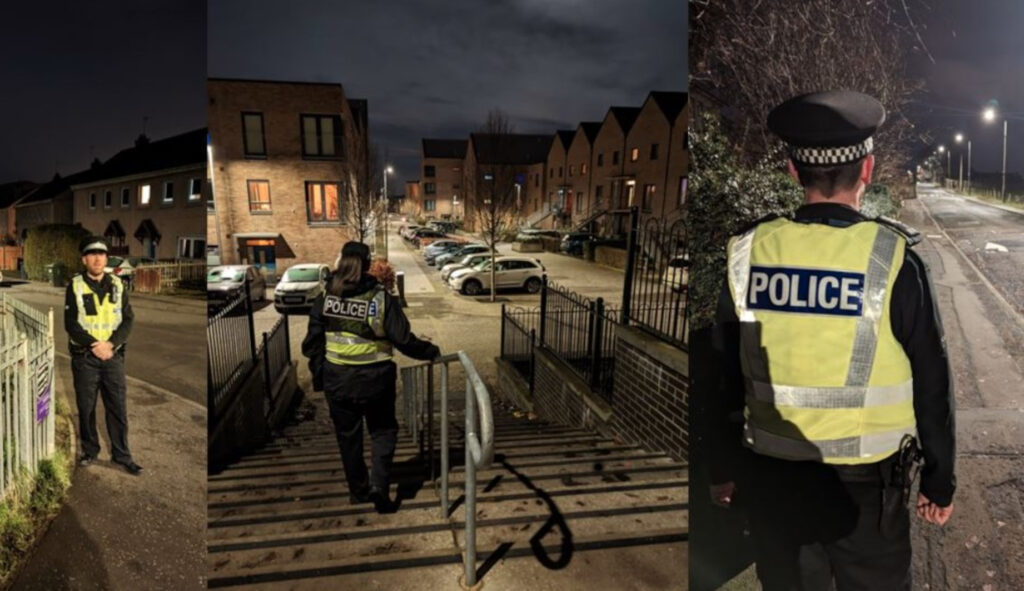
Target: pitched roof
x=176, y=151
x=12, y=192
x=626, y=116
x=670, y=103
x=566, y=136
x=444, y=148
x=591, y=128
x=512, y=148
x=56, y=187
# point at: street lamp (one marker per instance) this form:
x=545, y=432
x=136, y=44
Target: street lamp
x=960, y=139
x=387, y=170
x=989, y=115
x=948, y=167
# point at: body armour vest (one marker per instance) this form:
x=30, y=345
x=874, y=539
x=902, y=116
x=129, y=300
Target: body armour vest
x=825, y=378
x=107, y=318
x=355, y=328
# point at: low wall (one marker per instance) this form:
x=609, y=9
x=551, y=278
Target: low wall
x=610, y=256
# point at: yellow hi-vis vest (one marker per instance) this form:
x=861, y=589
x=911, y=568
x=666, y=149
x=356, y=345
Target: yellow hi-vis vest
x=355, y=328
x=108, y=310
x=825, y=378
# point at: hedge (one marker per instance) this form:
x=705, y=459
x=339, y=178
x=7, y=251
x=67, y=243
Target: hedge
x=53, y=243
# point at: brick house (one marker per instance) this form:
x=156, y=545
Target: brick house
x=52, y=203
x=287, y=159
x=487, y=153
x=559, y=199
x=580, y=181
x=656, y=158
x=441, y=181
x=149, y=200
x=11, y=194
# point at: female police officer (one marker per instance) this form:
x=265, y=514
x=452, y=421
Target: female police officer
x=352, y=329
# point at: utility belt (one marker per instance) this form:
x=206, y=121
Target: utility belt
x=898, y=474
x=77, y=350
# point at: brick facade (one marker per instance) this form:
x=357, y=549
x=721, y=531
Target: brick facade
x=302, y=223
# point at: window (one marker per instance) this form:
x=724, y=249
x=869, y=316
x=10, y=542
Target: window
x=321, y=136
x=598, y=193
x=600, y=160
x=92, y=200
x=259, y=196
x=429, y=171
x=429, y=205
x=648, y=197
x=168, y=192
x=456, y=186
x=682, y=191
x=654, y=151
x=195, y=189
x=126, y=197
x=108, y=199
x=144, y=195
x=210, y=207
x=191, y=248
x=536, y=180
x=572, y=169
x=583, y=168
x=252, y=134
x=615, y=157
x=634, y=154
x=322, y=202
x=429, y=188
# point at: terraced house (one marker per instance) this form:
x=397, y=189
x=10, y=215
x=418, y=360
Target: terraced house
x=287, y=159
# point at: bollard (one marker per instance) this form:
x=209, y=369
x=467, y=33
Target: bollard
x=400, y=282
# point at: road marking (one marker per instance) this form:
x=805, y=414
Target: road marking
x=150, y=385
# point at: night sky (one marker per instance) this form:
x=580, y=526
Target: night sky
x=78, y=78
x=979, y=55
x=434, y=68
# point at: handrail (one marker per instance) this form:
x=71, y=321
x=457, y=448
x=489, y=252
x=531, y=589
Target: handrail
x=479, y=446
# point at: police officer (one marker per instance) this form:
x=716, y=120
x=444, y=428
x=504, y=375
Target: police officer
x=832, y=361
x=98, y=320
x=353, y=328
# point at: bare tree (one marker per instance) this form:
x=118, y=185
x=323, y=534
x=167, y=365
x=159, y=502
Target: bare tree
x=492, y=184
x=761, y=53
x=363, y=208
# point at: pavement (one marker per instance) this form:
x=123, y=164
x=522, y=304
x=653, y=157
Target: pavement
x=118, y=531
x=980, y=299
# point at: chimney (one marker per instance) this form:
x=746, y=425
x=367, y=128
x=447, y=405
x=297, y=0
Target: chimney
x=142, y=140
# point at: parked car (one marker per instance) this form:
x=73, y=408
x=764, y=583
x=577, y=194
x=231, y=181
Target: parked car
x=456, y=255
x=572, y=243
x=418, y=235
x=226, y=282
x=299, y=287
x=509, y=272
x=124, y=267
x=677, y=273
x=406, y=230
x=438, y=248
x=531, y=233
x=470, y=260
x=443, y=226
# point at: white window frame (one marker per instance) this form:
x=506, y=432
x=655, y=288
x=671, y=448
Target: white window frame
x=145, y=194
x=92, y=200
x=191, y=241
x=193, y=195
x=168, y=200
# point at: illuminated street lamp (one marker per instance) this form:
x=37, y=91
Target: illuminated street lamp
x=387, y=170
x=989, y=115
x=948, y=167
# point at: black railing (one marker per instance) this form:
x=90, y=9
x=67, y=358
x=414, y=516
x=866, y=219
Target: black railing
x=519, y=337
x=231, y=351
x=274, y=356
x=654, y=296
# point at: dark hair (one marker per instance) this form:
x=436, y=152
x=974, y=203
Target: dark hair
x=347, y=275
x=829, y=180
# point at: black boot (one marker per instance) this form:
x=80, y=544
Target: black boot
x=381, y=500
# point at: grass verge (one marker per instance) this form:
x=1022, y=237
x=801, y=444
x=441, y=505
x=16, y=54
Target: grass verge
x=35, y=501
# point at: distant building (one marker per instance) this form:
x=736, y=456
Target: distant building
x=10, y=194
x=52, y=203
x=412, y=202
x=149, y=200
x=487, y=152
x=288, y=157
x=441, y=179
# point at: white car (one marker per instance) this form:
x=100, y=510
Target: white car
x=470, y=260
x=677, y=273
x=509, y=272
x=299, y=287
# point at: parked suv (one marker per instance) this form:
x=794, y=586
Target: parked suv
x=226, y=282
x=573, y=243
x=299, y=287
x=470, y=260
x=509, y=272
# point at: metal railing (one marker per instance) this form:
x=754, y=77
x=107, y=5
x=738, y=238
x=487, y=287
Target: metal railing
x=417, y=384
x=275, y=356
x=654, y=296
x=519, y=337
x=27, y=404
x=231, y=351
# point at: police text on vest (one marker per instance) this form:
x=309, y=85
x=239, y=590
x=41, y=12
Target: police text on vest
x=347, y=309
x=807, y=291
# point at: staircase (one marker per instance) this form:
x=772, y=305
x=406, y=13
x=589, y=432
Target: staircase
x=538, y=216
x=559, y=508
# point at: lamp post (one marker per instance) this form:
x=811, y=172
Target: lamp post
x=942, y=150
x=387, y=170
x=960, y=139
x=989, y=114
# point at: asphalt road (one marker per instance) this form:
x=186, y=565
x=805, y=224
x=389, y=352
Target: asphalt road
x=167, y=347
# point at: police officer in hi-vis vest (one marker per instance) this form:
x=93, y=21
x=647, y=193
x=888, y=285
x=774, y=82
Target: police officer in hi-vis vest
x=98, y=320
x=834, y=381
x=352, y=330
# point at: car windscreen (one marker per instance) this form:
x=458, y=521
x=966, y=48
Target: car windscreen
x=114, y=261
x=299, y=275
x=224, y=275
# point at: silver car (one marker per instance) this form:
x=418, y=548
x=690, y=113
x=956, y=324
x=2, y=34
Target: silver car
x=470, y=260
x=226, y=282
x=509, y=272
x=299, y=287
x=458, y=255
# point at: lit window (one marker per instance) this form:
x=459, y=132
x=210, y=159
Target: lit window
x=259, y=196
x=322, y=202
x=195, y=189
x=191, y=248
x=634, y=154
x=169, y=192
x=583, y=168
x=144, y=195
x=321, y=136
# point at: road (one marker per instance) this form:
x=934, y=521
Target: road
x=980, y=299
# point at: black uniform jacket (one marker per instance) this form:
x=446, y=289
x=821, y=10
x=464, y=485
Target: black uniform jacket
x=913, y=314
x=396, y=327
x=79, y=340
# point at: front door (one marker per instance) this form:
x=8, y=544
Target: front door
x=260, y=254
x=148, y=248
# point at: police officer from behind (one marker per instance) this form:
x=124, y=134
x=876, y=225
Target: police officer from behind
x=832, y=362
x=353, y=328
x=98, y=320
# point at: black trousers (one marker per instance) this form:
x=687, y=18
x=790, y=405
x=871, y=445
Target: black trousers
x=818, y=527
x=355, y=393
x=107, y=378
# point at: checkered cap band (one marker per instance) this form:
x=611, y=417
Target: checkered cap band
x=828, y=156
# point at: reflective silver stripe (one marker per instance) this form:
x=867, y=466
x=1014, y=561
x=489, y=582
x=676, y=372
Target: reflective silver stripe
x=342, y=340
x=832, y=397
x=862, y=359
x=356, y=359
x=739, y=273
x=377, y=321
x=787, y=448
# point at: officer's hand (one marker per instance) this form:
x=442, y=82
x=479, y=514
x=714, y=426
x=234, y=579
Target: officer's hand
x=931, y=512
x=721, y=494
x=103, y=350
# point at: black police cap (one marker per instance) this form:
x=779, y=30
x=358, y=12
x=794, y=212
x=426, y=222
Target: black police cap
x=93, y=244
x=828, y=128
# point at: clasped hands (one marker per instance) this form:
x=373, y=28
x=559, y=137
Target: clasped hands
x=103, y=350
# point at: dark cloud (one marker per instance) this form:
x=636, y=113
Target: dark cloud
x=436, y=67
